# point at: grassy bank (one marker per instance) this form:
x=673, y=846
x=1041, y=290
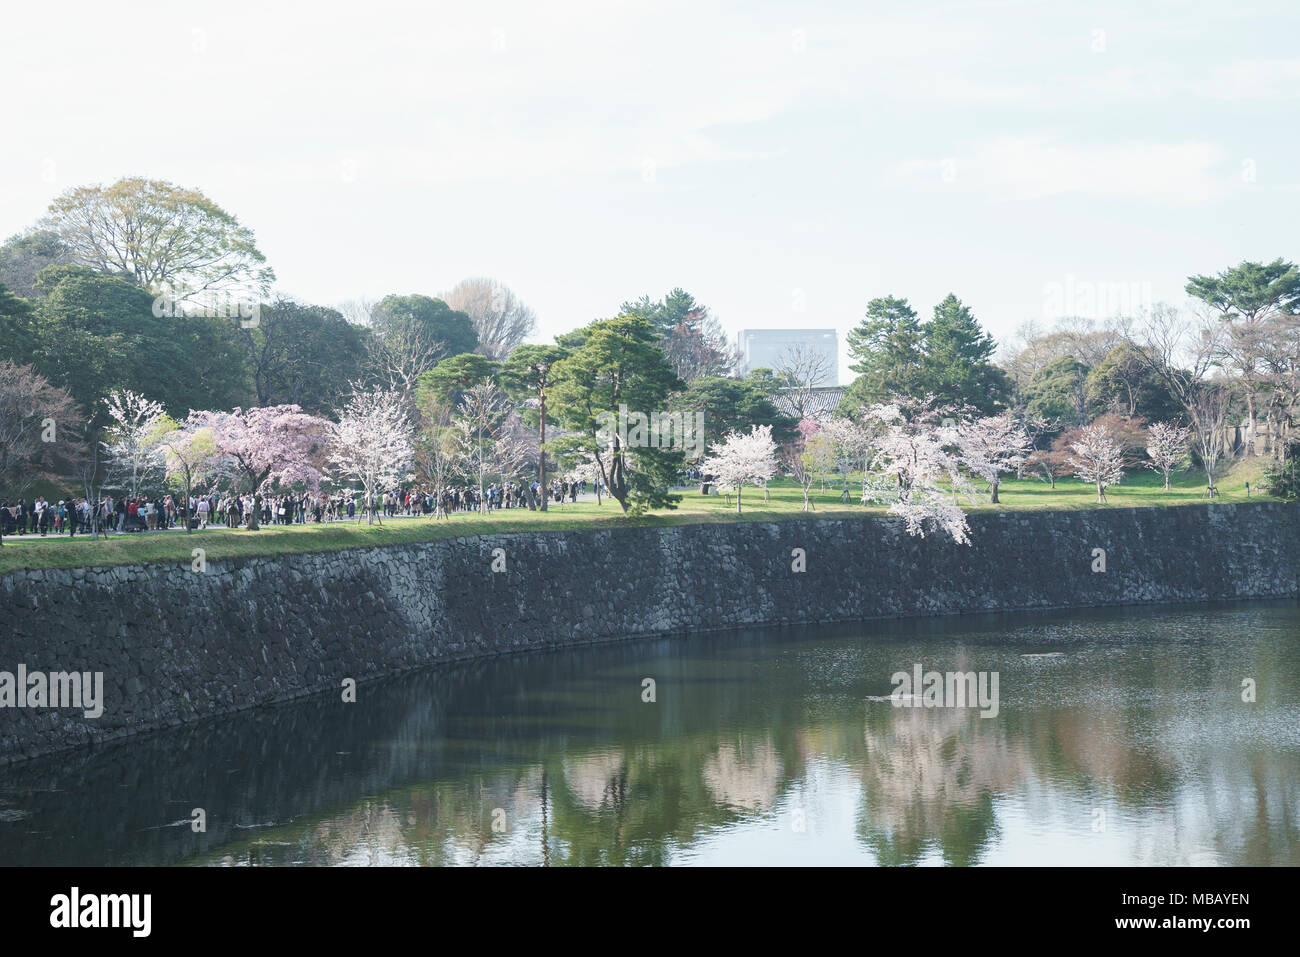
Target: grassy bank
x=784, y=503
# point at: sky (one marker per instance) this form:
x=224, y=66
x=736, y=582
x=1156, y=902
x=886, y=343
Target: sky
x=783, y=162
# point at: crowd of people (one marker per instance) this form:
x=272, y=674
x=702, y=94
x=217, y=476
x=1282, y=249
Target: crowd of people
x=73, y=516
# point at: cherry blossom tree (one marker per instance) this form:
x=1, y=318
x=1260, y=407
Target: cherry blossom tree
x=35, y=419
x=131, y=442
x=487, y=440
x=188, y=453
x=1098, y=457
x=742, y=458
x=991, y=446
x=853, y=445
x=373, y=442
x=799, y=464
x=821, y=454
x=913, y=457
x=276, y=444
x=1167, y=445
x=514, y=448
x=1034, y=426
x=38, y=438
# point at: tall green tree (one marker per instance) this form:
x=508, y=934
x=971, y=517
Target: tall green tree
x=15, y=326
x=1257, y=304
x=445, y=382
x=888, y=348
x=529, y=373
x=957, y=367
x=693, y=340
x=163, y=237
x=92, y=333
x=1058, y=392
x=1123, y=383
x=300, y=354
x=445, y=325
x=733, y=405
x=620, y=368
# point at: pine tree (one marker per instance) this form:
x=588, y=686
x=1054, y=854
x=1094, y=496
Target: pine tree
x=957, y=366
x=888, y=348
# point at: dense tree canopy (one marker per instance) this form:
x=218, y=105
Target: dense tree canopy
x=304, y=355
x=693, y=339
x=79, y=317
x=733, y=405
x=958, y=366
x=444, y=383
x=453, y=330
x=1122, y=383
x=163, y=237
x=888, y=348
x=948, y=358
x=26, y=254
x=1059, y=392
x=620, y=367
x=91, y=333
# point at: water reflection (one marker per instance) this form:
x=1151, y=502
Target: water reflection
x=1121, y=738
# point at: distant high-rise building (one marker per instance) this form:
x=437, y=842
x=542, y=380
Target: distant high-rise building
x=767, y=348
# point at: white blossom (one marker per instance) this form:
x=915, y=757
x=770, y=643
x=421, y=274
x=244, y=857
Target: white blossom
x=1167, y=445
x=993, y=445
x=131, y=446
x=854, y=447
x=1098, y=457
x=912, y=457
x=742, y=458
x=373, y=442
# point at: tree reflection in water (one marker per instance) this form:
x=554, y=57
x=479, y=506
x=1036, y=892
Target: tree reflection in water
x=554, y=759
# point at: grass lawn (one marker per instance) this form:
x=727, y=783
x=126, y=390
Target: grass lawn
x=30, y=551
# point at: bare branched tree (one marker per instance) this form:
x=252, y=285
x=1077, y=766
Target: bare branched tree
x=359, y=310
x=1183, y=356
x=39, y=429
x=488, y=445
x=399, y=352
x=802, y=368
x=500, y=318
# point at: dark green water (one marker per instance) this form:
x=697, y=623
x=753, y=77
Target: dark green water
x=1121, y=738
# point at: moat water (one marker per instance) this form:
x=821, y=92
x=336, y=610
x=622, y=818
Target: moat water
x=1122, y=736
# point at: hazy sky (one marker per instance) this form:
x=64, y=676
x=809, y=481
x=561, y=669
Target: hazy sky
x=784, y=162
